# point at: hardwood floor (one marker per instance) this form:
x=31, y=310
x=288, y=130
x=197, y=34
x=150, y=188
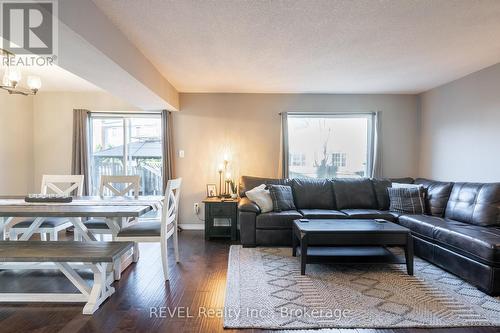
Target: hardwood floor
x=197, y=282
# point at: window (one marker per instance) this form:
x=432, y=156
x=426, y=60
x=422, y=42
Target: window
x=127, y=144
x=329, y=145
x=339, y=159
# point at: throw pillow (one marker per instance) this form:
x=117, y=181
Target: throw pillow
x=407, y=200
x=282, y=197
x=262, y=198
x=401, y=185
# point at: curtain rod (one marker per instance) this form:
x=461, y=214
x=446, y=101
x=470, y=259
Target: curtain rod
x=305, y=113
x=127, y=112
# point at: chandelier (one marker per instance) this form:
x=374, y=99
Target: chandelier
x=12, y=77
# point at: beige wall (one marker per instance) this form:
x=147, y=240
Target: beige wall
x=16, y=144
x=250, y=125
x=53, y=127
x=460, y=134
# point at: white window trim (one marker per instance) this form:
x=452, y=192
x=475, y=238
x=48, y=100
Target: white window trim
x=370, y=135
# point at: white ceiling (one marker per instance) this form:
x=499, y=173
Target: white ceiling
x=331, y=46
x=55, y=78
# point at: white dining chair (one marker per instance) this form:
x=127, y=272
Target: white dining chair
x=58, y=184
x=131, y=184
x=108, y=186
x=161, y=231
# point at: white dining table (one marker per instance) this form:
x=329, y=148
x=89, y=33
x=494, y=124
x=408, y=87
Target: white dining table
x=116, y=211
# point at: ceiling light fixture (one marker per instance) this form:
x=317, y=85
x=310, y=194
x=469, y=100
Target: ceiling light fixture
x=12, y=76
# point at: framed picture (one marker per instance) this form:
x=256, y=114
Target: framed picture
x=211, y=190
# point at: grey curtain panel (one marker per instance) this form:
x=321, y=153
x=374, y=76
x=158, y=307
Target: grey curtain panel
x=284, y=145
x=167, y=146
x=80, y=155
x=376, y=167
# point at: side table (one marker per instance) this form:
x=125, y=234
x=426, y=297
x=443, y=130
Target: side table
x=221, y=218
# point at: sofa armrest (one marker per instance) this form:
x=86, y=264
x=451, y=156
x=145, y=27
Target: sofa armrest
x=247, y=228
x=247, y=205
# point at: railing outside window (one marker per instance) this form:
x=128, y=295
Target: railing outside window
x=126, y=144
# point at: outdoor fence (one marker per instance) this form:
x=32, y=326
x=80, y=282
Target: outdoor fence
x=149, y=171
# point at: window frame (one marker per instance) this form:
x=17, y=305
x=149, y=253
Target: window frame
x=370, y=151
x=119, y=115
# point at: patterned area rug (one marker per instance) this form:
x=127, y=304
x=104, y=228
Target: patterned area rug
x=265, y=290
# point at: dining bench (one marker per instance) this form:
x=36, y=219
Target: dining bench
x=95, y=256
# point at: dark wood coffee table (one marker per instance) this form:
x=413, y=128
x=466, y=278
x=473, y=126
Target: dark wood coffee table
x=362, y=240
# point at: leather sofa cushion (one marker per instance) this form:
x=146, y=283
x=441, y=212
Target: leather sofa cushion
x=396, y=215
x=248, y=182
x=475, y=203
x=322, y=214
x=470, y=240
x=423, y=225
x=368, y=214
x=437, y=195
x=269, y=237
x=481, y=242
x=354, y=193
x=247, y=205
x=313, y=193
x=380, y=187
x=275, y=220
x=402, y=180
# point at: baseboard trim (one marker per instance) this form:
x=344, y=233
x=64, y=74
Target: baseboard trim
x=192, y=226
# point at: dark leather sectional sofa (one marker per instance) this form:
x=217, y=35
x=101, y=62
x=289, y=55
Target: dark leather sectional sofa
x=460, y=231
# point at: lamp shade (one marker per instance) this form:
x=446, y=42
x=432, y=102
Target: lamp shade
x=14, y=75
x=34, y=82
x=5, y=78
